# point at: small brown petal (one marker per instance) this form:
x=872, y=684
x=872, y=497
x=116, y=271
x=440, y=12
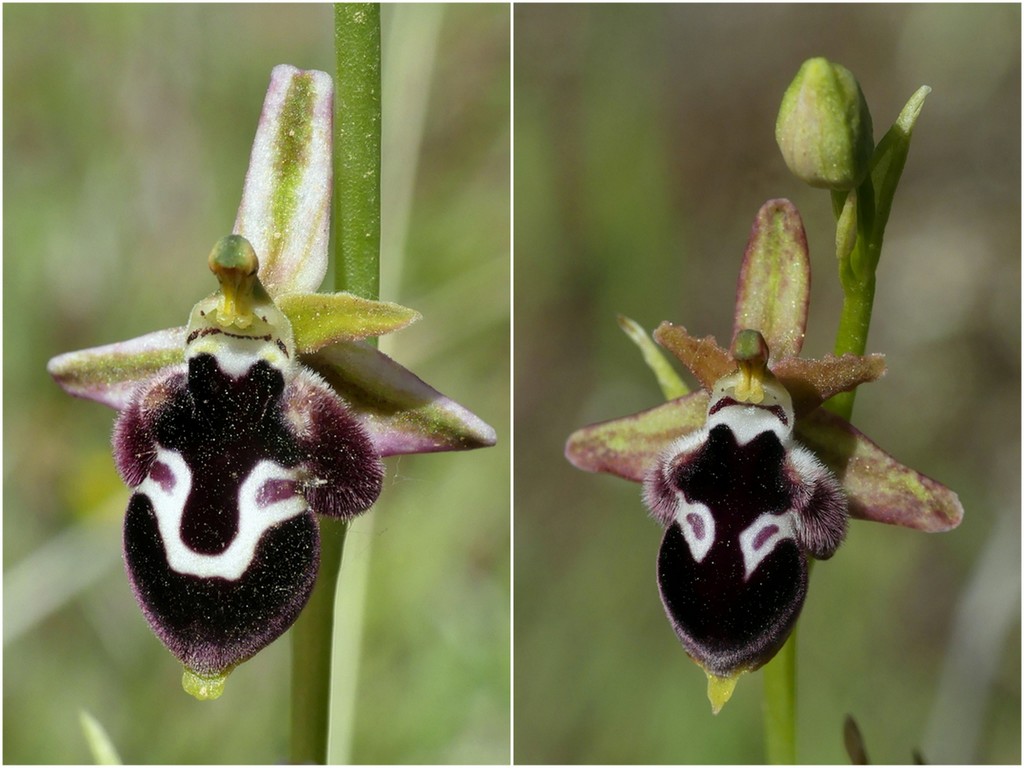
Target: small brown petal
x=705, y=359
x=812, y=382
x=628, y=447
x=879, y=487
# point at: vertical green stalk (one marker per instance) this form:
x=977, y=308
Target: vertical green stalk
x=824, y=124
x=357, y=117
x=857, y=264
x=779, y=677
x=355, y=249
x=852, y=335
x=311, y=653
x=861, y=217
x=858, y=247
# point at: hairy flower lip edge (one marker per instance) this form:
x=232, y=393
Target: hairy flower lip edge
x=353, y=364
x=784, y=507
x=862, y=468
x=269, y=560
x=885, y=498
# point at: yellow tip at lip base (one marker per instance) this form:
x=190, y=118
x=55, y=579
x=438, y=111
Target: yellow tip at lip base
x=202, y=687
x=720, y=690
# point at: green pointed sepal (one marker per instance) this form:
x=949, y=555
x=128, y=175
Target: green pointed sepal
x=110, y=373
x=671, y=385
x=322, y=319
x=878, y=486
x=628, y=447
x=402, y=413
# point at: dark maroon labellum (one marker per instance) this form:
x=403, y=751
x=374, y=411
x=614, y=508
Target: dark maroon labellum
x=220, y=541
x=743, y=505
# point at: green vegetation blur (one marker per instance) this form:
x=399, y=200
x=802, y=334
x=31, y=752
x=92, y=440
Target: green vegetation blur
x=644, y=145
x=127, y=132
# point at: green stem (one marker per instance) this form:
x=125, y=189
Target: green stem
x=857, y=276
x=355, y=250
x=780, y=705
x=357, y=149
x=312, y=638
x=857, y=266
x=852, y=335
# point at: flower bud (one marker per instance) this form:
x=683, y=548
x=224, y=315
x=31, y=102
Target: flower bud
x=824, y=127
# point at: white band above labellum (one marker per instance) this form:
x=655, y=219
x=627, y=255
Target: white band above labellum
x=748, y=421
x=265, y=498
x=236, y=353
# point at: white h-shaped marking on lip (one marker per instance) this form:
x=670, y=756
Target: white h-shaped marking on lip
x=698, y=526
x=759, y=539
x=253, y=519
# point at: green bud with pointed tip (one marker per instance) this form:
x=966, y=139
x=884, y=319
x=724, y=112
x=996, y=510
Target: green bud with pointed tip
x=824, y=127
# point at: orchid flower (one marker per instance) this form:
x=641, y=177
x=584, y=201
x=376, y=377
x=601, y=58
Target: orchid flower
x=266, y=409
x=749, y=475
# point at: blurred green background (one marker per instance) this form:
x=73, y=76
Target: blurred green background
x=644, y=145
x=127, y=132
